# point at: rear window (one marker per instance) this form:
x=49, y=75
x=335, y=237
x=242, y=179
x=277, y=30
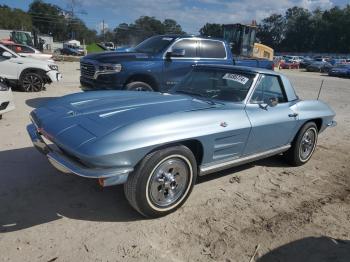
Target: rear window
x=212, y=49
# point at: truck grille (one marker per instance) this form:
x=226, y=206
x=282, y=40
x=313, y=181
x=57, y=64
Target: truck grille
x=87, y=69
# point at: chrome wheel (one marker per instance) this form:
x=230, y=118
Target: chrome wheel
x=169, y=181
x=32, y=83
x=307, y=144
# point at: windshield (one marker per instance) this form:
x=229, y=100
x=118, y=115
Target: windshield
x=221, y=84
x=154, y=45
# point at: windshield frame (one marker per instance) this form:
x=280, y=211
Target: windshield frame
x=10, y=51
x=159, y=51
x=215, y=100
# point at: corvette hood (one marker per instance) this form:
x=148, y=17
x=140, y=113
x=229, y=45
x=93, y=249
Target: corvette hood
x=73, y=120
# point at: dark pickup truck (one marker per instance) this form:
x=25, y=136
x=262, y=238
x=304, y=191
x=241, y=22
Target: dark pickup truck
x=157, y=64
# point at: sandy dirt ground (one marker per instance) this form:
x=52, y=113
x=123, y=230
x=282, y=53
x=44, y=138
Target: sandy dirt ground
x=290, y=214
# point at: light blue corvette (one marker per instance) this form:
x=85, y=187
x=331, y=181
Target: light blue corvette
x=157, y=143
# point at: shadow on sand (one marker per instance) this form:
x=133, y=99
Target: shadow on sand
x=32, y=192
x=310, y=249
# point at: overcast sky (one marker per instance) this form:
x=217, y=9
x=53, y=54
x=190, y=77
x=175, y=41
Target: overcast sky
x=191, y=14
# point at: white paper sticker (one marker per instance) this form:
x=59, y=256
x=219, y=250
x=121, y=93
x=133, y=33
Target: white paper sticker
x=237, y=78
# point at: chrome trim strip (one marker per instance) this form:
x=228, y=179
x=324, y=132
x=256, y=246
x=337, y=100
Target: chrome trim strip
x=65, y=165
x=210, y=168
x=113, y=176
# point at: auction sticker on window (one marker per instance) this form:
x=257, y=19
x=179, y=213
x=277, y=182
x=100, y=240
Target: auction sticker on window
x=237, y=78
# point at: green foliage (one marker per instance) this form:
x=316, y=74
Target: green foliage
x=93, y=48
x=144, y=27
x=62, y=25
x=212, y=30
x=14, y=19
x=300, y=30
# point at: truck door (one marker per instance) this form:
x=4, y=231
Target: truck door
x=273, y=126
x=8, y=66
x=176, y=67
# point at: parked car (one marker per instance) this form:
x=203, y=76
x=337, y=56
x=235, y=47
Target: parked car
x=288, y=64
x=322, y=67
x=70, y=51
x=28, y=51
x=156, y=64
x=29, y=74
x=6, y=98
x=340, y=70
x=156, y=144
x=306, y=62
x=295, y=59
x=336, y=61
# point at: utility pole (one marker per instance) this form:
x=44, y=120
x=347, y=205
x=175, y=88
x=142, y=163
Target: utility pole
x=103, y=30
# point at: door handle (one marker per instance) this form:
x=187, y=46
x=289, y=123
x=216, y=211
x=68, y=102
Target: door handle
x=293, y=115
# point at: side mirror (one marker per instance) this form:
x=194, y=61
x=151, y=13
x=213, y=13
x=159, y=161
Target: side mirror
x=6, y=55
x=176, y=53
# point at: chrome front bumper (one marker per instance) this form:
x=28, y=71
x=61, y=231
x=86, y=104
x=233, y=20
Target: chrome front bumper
x=109, y=176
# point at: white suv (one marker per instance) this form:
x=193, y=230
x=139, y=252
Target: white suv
x=29, y=74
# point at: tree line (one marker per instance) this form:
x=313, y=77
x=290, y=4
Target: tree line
x=51, y=19
x=297, y=30
x=301, y=30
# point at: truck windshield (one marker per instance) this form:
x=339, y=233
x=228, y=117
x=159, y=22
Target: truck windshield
x=154, y=45
x=219, y=84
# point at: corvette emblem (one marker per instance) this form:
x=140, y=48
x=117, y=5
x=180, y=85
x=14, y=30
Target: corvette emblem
x=223, y=124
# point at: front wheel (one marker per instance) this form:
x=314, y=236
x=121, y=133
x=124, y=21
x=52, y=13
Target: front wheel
x=138, y=86
x=162, y=181
x=31, y=82
x=303, y=145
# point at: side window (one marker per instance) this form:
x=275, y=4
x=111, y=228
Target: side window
x=190, y=47
x=212, y=49
x=26, y=49
x=269, y=87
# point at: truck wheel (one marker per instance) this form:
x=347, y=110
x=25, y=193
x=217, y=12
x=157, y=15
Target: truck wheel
x=303, y=145
x=162, y=181
x=31, y=82
x=138, y=86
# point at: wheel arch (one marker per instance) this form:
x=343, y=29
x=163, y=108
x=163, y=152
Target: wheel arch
x=318, y=122
x=194, y=145
x=40, y=71
x=146, y=78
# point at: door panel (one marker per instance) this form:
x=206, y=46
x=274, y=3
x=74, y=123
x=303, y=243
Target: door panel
x=271, y=127
x=8, y=67
x=175, y=68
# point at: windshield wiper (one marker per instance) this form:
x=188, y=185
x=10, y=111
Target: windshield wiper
x=202, y=97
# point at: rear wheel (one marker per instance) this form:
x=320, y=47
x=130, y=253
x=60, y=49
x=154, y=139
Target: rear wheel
x=162, y=181
x=31, y=82
x=138, y=86
x=304, y=145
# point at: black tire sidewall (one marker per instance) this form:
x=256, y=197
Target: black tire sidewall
x=145, y=171
x=132, y=85
x=31, y=73
x=295, y=153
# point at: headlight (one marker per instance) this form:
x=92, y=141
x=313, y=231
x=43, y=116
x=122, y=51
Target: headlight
x=110, y=68
x=53, y=67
